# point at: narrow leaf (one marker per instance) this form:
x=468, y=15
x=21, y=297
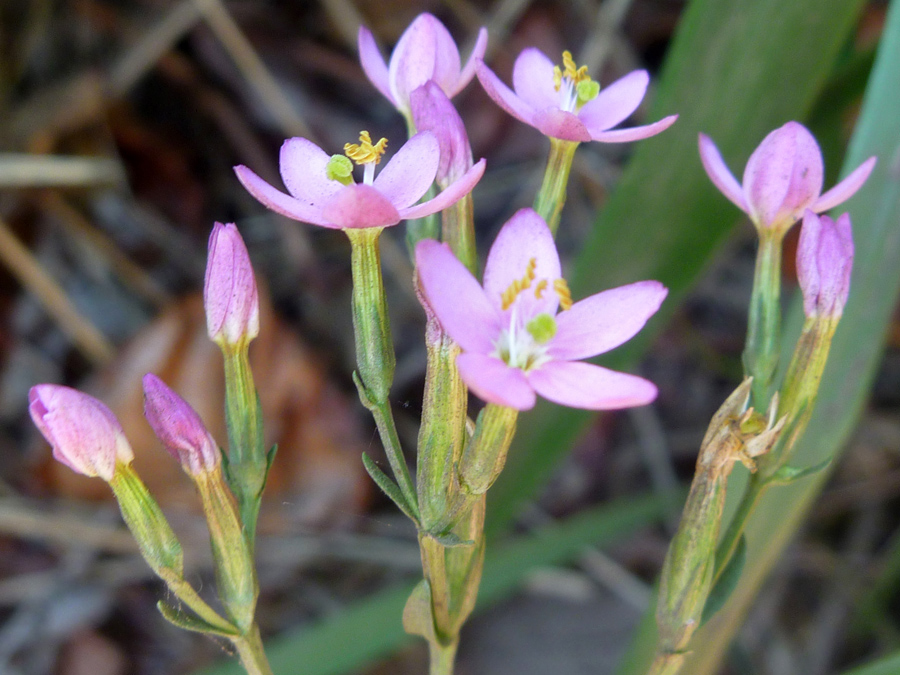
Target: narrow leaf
x=389, y=487
x=727, y=582
x=790, y=474
x=191, y=622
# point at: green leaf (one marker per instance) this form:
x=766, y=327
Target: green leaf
x=889, y=665
x=192, y=622
x=389, y=487
x=418, y=615
x=735, y=74
x=727, y=582
x=371, y=628
x=791, y=474
x=450, y=540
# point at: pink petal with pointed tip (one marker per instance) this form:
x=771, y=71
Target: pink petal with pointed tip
x=413, y=60
x=468, y=71
x=719, y=174
x=558, y=123
x=446, y=59
x=846, y=188
x=456, y=298
x=304, y=166
x=584, y=385
x=450, y=195
x=605, y=320
x=783, y=176
x=373, y=63
x=493, y=381
x=523, y=237
x=503, y=95
x=358, y=206
x=279, y=201
x=533, y=79
x=410, y=172
x=615, y=103
x=635, y=133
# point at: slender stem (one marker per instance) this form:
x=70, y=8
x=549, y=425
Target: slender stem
x=387, y=430
x=250, y=650
x=551, y=198
x=666, y=664
x=442, y=657
x=764, y=319
x=732, y=535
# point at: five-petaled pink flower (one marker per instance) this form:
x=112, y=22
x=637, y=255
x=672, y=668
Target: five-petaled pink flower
x=84, y=433
x=824, y=263
x=514, y=342
x=425, y=51
x=567, y=104
x=782, y=179
x=317, y=197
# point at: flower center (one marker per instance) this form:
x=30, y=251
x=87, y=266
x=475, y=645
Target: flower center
x=574, y=85
x=524, y=344
x=364, y=153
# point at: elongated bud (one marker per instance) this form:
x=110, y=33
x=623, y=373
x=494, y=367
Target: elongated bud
x=229, y=291
x=432, y=111
x=84, y=433
x=824, y=264
x=485, y=455
x=179, y=427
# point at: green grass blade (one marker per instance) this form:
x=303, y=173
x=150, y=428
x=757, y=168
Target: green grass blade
x=371, y=628
x=736, y=70
x=886, y=666
x=856, y=350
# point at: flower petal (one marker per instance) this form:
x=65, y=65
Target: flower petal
x=584, y=385
x=719, y=174
x=446, y=58
x=493, y=381
x=432, y=111
x=634, y=133
x=450, y=195
x=533, y=79
x=373, y=63
x=358, y=206
x=303, y=166
x=279, y=201
x=468, y=71
x=413, y=60
x=605, y=320
x=456, y=298
x=846, y=188
x=503, y=95
x=411, y=170
x=523, y=237
x=615, y=103
x=558, y=123
x=783, y=176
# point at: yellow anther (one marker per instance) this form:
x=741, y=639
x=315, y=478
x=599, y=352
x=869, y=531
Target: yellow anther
x=539, y=289
x=569, y=71
x=518, y=285
x=562, y=290
x=365, y=152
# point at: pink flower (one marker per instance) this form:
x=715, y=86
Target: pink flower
x=229, y=290
x=318, y=197
x=425, y=51
x=782, y=179
x=514, y=342
x=179, y=427
x=84, y=433
x=824, y=263
x=567, y=104
x=432, y=111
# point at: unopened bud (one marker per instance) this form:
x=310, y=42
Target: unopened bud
x=824, y=264
x=229, y=291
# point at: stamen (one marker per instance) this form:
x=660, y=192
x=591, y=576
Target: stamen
x=569, y=71
x=365, y=152
x=565, y=296
x=540, y=288
x=518, y=285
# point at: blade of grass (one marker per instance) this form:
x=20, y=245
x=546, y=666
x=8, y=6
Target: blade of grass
x=371, y=628
x=736, y=70
x=887, y=666
x=855, y=352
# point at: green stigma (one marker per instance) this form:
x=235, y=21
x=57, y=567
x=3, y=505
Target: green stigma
x=339, y=168
x=587, y=91
x=542, y=328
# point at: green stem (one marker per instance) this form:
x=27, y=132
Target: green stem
x=551, y=198
x=387, y=430
x=458, y=230
x=764, y=320
x=666, y=664
x=442, y=658
x=729, y=540
x=250, y=650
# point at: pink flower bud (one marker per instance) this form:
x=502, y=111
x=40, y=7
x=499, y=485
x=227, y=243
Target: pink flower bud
x=84, y=433
x=432, y=111
x=229, y=293
x=824, y=264
x=179, y=427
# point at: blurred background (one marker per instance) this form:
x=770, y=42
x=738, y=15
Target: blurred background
x=120, y=121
